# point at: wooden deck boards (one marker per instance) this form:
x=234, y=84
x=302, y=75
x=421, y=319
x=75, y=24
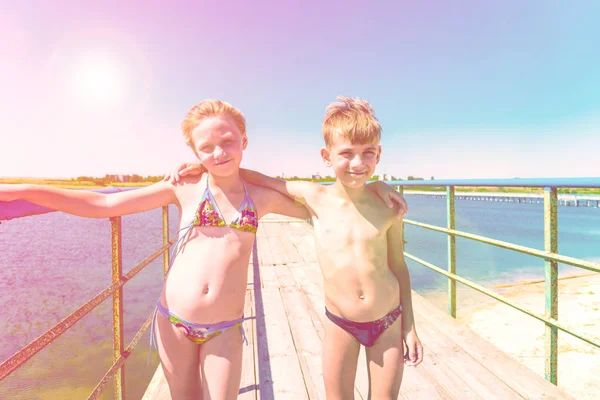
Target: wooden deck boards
x=283, y=356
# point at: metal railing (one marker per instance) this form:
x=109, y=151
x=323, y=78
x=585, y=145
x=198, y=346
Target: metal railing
x=549, y=254
x=117, y=371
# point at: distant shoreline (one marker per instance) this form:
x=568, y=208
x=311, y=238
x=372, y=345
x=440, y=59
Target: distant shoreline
x=74, y=184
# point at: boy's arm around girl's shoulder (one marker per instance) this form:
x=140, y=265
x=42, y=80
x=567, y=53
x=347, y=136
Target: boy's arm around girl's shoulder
x=271, y=201
x=91, y=204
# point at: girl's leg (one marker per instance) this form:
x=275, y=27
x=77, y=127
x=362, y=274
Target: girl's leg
x=221, y=365
x=180, y=360
x=385, y=363
x=340, y=356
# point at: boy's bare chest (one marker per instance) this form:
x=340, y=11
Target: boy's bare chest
x=352, y=224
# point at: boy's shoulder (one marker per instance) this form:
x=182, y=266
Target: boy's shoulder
x=379, y=205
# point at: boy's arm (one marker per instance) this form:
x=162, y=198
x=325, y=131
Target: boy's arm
x=300, y=191
x=279, y=204
x=296, y=190
x=276, y=201
x=397, y=265
x=92, y=204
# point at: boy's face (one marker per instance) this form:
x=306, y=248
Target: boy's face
x=352, y=163
x=219, y=145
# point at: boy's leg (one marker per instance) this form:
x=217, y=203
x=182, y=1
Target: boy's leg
x=221, y=365
x=385, y=363
x=340, y=356
x=179, y=359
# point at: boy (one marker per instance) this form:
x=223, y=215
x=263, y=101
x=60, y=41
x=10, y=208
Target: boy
x=360, y=251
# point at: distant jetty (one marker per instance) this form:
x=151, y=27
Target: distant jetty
x=568, y=200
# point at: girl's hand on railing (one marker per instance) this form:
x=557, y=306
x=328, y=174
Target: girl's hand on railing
x=184, y=170
x=10, y=192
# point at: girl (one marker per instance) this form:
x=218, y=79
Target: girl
x=198, y=325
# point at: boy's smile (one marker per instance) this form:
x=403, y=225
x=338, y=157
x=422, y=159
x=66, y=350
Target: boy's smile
x=353, y=163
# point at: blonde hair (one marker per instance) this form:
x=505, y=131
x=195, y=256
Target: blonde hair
x=352, y=118
x=207, y=109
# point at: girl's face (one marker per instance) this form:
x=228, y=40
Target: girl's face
x=219, y=145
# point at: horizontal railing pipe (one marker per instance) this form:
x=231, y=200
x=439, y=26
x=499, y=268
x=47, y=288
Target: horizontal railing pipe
x=576, y=262
x=593, y=341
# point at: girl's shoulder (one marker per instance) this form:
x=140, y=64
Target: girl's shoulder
x=189, y=188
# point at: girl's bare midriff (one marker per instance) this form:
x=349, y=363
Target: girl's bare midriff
x=207, y=282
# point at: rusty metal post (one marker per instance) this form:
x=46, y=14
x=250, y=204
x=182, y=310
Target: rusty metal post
x=165, y=232
x=400, y=189
x=551, y=282
x=117, y=275
x=451, y=219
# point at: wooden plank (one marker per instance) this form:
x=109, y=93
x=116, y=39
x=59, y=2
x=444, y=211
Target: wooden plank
x=314, y=297
x=520, y=378
x=285, y=277
x=459, y=368
x=265, y=256
x=281, y=240
x=279, y=256
x=278, y=235
x=292, y=252
x=418, y=384
x=306, y=340
x=293, y=236
x=248, y=387
x=286, y=232
x=304, y=244
x=314, y=275
x=280, y=374
x=158, y=389
x=268, y=277
x=442, y=379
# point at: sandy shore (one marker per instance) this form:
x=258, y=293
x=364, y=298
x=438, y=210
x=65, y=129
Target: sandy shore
x=522, y=336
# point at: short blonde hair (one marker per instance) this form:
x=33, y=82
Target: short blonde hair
x=352, y=118
x=207, y=109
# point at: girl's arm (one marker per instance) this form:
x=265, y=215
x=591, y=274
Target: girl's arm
x=389, y=196
x=92, y=204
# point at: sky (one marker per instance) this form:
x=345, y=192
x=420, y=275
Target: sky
x=464, y=89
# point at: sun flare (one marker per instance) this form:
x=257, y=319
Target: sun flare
x=99, y=80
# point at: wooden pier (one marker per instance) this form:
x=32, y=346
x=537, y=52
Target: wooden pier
x=283, y=358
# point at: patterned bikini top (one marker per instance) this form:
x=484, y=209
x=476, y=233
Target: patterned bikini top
x=208, y=213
